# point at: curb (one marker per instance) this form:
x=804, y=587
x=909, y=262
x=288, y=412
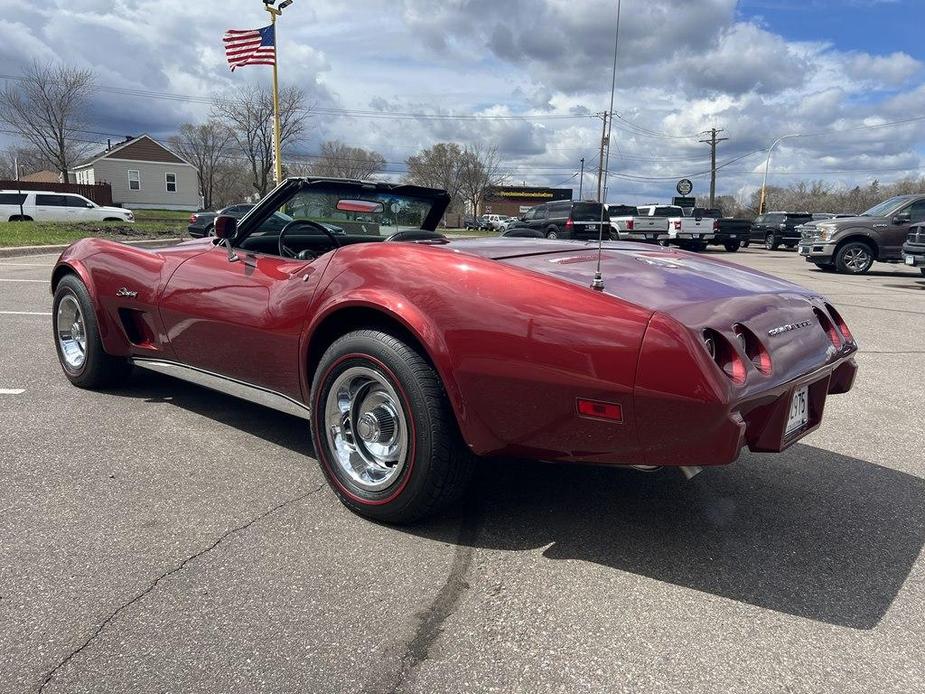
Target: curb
x=18, y=251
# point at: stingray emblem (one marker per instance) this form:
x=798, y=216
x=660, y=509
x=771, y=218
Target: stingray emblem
x=789, y=328
x=126, y=293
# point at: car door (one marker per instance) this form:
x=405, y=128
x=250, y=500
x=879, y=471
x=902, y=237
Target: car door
x=537, y=220
x=81, y=210
x=242, y=319
x=893, y=236
x=51, y=208
x=758, y=227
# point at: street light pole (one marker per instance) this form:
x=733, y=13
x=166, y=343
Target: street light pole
x=581, y=181
x=767, y=165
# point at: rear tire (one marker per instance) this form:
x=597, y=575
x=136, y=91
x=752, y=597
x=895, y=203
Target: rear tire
x=77, y=340
x=20, y=218
x=732, y=246
x=698, y=246
x=552, y=234
x=383, y=429
x=771, y=243
x=854, y=258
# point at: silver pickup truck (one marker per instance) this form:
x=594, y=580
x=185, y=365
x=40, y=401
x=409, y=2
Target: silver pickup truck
x=628, y=224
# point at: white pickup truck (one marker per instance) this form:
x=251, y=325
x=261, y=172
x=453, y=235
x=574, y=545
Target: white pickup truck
x=627, y=223
x=691, y=233
x=41, y=206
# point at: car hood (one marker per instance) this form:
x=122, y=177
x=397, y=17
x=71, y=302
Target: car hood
x=659, y=279
x=846, y=222
x=114, y=210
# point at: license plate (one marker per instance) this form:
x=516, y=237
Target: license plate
x=799, y=411
x=910, y=260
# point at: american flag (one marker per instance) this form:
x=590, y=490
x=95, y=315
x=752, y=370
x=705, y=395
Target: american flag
x=250, y=46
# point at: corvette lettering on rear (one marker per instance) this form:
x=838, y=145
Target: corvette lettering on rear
x=790, y=327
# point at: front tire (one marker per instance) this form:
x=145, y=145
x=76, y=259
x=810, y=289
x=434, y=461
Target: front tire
x=552, y=234
x=77, y=339
x=383, y=429
x=771, y=243
x=854, y=258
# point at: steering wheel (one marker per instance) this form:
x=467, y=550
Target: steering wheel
x=287, y=252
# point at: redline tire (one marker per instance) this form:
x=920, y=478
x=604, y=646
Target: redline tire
x=96, y=369
x=435, y=467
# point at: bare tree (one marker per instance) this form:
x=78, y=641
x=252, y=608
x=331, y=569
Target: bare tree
x=46, y=107
x=27, y=160
x=440, y=166
x=249, y=116
x=818, y=196
x=206, y=147
x=480, y=171
x=342, y=161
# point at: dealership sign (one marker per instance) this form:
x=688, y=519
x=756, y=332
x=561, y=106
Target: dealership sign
x=685, y=186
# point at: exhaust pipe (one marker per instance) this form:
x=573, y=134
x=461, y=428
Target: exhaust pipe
x=690, y=471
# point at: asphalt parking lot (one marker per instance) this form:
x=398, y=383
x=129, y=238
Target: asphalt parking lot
x=169, y=539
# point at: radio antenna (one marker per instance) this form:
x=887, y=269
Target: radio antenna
x=598, y=281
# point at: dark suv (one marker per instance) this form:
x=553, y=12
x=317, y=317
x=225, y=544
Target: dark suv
x=565, y=220
x=778, y=229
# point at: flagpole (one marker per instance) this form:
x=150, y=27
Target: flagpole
x=277, y=127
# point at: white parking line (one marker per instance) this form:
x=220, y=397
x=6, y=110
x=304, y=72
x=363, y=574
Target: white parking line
x=24, y=313
x=12, y=391
x=42, y=281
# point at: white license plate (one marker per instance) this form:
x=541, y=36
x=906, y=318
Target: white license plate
x=799, y=411
x=910, y=260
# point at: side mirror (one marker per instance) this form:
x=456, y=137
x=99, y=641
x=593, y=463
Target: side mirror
x=902, y=218
x=225, y=227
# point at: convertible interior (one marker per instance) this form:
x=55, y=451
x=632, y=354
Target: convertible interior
x=306, y=240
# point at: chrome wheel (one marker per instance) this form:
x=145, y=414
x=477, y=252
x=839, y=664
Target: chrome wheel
x=366, y=429
x=72, y=332
x=552, y=235
x=857, y=259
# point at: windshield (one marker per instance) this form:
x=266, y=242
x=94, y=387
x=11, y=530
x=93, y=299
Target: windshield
x=887, y=207
x=390, y=214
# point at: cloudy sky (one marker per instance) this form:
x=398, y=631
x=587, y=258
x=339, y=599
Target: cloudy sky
x=527, y=76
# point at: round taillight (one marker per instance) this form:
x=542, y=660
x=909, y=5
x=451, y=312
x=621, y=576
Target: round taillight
x=840, y=323
x=753, y=348
x=724, y=355
x=828, y=327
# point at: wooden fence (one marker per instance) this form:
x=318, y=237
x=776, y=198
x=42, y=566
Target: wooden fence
x=100, y=193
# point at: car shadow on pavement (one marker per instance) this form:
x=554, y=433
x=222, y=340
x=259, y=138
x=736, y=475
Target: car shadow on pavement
x=808, y=533
x=278, y=428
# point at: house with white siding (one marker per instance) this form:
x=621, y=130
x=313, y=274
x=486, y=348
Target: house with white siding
x=143, y=174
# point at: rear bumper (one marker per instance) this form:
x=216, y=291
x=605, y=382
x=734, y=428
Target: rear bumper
x=914, y=255
x=643, y=236
x=759, y=421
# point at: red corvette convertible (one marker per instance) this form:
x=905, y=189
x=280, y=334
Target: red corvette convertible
x=409, y=354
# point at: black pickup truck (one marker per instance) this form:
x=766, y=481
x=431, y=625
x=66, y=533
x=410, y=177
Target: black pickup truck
x=730, y=233
x=914, y=248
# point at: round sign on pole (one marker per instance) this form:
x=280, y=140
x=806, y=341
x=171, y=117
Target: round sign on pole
x=685, y=186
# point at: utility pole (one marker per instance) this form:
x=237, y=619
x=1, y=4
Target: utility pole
x=713, y=132
x=600, y=168
x=581, y=181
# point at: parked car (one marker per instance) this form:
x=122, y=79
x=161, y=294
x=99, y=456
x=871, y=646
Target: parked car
x=411, y=353
x=728, y=232
x=776, y=229
x=851, y=245
x=628, y=224
x=691, y=233
x=497, y=222
x=203, y=223
x=566, y=220
x=42, y=206
x=914, y=248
